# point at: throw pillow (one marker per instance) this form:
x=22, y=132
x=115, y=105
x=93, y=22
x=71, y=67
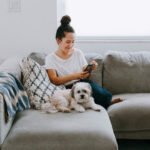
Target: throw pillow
x=96, y=75
x=37, y=83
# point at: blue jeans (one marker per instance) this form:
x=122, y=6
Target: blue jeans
x=101, y=95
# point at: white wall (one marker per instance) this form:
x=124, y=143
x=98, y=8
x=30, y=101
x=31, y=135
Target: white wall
x=33, y=29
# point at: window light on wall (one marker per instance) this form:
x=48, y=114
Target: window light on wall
x=109, y=17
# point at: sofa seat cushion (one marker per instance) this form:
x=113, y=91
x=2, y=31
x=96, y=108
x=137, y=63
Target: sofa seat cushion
x=130, y=118
x=73, y=131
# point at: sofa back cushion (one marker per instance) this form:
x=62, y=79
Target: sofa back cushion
x=127, y=72
x=95, y=75
x=38, y=57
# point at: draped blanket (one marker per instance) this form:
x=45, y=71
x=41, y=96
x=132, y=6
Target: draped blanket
x=14, y=95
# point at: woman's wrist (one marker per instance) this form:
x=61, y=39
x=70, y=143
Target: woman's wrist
x=76, y=76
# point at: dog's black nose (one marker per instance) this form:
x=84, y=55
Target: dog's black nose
x=82, y=96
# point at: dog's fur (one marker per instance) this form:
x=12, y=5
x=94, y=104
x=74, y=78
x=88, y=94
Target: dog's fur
x=78, y=98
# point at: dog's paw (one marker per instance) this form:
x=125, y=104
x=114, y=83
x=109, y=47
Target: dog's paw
x=63, y=109
x=66, y=110
x=80, y=109
x=52, y=111
x=97, y=108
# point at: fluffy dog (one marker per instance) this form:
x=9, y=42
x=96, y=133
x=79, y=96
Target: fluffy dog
x=78, y=98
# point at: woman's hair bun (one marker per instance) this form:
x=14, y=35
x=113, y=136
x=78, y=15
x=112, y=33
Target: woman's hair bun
x=65, y=20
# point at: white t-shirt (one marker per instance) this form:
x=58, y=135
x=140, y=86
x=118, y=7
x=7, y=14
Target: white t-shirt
x=63, y=67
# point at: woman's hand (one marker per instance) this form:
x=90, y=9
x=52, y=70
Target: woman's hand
x=95, y=64
x=62, y=80
x=82, y=75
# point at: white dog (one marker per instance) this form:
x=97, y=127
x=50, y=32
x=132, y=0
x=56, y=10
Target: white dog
x=78, y=98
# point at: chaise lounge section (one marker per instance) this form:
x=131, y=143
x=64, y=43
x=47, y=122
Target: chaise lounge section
x=34, y=130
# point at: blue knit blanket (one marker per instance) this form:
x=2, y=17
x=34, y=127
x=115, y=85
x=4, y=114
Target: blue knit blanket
x=15, y=97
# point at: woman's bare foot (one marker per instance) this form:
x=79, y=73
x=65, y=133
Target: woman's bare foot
x=116, y=100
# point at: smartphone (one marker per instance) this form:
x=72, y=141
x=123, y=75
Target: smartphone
x=89, y=68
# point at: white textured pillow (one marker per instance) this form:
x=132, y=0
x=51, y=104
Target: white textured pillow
x=37, y=83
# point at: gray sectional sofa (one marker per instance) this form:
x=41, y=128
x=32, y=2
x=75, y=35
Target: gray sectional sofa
x=125, y=74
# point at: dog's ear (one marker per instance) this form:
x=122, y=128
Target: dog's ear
x=90, y=88
x=72, y=91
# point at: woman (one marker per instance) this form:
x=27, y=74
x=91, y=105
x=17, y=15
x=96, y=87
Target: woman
x=67, y=64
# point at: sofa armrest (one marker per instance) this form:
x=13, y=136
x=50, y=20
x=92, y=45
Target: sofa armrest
x=4, y=125
x=12, y=65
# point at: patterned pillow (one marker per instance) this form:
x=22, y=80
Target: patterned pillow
x=37, y=83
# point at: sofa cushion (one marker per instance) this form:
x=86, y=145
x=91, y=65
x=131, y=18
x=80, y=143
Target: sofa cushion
x=38, y=57
x=12, y=65
x=127, y=72
x=96, y=75
x=130, y=118
x=73, y=131
x=37, y=83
